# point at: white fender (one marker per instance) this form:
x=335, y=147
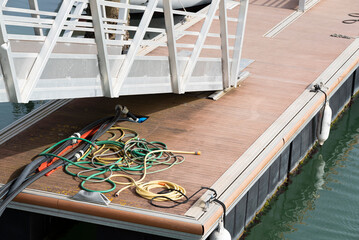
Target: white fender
x=324, y=121
x=220, y=233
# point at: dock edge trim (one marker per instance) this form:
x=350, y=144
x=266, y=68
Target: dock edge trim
x=306, y=106
x=113, y=215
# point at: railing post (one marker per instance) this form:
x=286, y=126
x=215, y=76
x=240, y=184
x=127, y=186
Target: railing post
x=301, y=5
x=171, y=44
x=104, y=65
x=80, y=7
x=7, y=62
x=33, y=4
x=236, y=59
x=224, y=44
x=132, y=51
x=122, y=15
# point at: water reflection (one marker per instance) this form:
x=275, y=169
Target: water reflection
x=321, y=202
x=10, y=112
x=320, y=173
x=21, y=109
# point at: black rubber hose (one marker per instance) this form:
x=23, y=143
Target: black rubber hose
x=106, y=126
x=31, y=167
x=34, y=165
x=4, y=188
x=30, y=179
x=26, y=183
x=19, y=184
x=11, y=195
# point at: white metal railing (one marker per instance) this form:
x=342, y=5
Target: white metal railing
x=71, y=27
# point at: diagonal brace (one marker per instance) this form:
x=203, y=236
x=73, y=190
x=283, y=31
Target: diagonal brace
x=238, y=44
x=80, y=7
x=132, y=51
x=199, y=44
x=46, y=50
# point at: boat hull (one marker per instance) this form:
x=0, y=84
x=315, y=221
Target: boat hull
x=177, y=4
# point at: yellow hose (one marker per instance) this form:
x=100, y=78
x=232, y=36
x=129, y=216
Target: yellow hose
x=143, y=189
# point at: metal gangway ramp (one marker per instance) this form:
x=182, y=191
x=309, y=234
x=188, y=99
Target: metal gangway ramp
x=71, y=53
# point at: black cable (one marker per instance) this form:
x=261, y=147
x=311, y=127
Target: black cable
x=33, y=166
x=10, y=196
x=179, y=202
x=224, y=209
x=11, y=189
x=4, y=188
x=29, y=169
x=176, y=203
x=318, y=88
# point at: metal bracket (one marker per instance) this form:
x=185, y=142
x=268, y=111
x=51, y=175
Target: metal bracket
x=208, y=199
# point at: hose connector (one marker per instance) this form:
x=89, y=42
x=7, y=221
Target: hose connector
x=79, y=154
x=75, y=135
x=121, y=109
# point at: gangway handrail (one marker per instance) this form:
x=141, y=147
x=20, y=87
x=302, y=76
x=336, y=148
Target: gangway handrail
x=63, y=26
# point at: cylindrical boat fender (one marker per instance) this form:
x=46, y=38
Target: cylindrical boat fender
x=220, y=233
x=324, y=121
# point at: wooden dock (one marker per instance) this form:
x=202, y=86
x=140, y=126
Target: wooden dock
x=284, y=67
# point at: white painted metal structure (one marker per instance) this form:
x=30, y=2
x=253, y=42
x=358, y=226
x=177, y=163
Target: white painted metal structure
x=53, y=59
x=304, y=5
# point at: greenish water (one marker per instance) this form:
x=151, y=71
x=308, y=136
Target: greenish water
x=322, y=201
x=9, y=112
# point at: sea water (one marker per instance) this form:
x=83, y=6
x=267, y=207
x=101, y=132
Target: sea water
x=322, y=200
x=9, y=112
